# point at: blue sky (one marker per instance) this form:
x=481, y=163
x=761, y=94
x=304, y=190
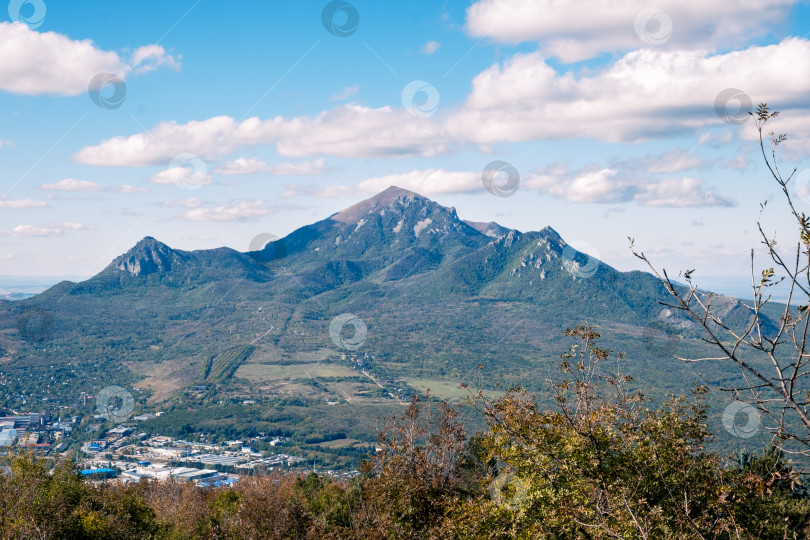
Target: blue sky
x=606, y=109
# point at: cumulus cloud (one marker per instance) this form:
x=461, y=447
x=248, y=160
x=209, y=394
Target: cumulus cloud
x=243, y=166
x=150, y=57
x=608, y=186
x=794, y=123
x=238, y=211
x=49, y=230
x=649, y=93
x=349, y=131
x=646, y=94
x=680, y=192
x=181, y=176
x=49, y=63
x=71, y=184
x=4, y=144
x=573, y=31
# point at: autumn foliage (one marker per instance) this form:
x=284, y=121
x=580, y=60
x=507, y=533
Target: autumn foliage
x=600, y=463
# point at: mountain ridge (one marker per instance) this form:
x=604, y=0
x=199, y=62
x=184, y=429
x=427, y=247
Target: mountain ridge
x=150, y=255
x=443, y=302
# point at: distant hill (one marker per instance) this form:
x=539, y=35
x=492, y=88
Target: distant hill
x=20, y=287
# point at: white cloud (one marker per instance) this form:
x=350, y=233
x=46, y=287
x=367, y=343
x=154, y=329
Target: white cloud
x=573, y=31
x=49, y=63
x=71, y=184
x=431, y=47
x=150, y=57
x=794, y=123
x=45, y=230
x=5, y=144
x=182, y=177
x=127, y=188
x=348, y=130
x=305, y=168
x=648, y=93
x=593, y=187
x=217, y=136
x=185, y=203
x=680, y=192
x=346, y=93
x=242, y=166
x=426, y=182
x=608, y=186
x=239, y=211
x=21, y=203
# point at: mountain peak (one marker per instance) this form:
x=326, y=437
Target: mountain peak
x=146, y=257
x=384, y=199
x=394, y=192
x=147, y=241
x=548, y=231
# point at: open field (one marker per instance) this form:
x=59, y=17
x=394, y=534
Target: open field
x=269, y=354
x=267, y=372
x=448, y=390
x=341, y=443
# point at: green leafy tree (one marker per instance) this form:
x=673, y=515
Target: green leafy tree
x=601, y=464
